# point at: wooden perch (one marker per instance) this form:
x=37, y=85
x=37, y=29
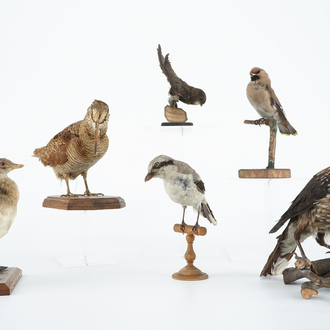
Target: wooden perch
x=303, y=269
x=272, y=123
x=190, y=272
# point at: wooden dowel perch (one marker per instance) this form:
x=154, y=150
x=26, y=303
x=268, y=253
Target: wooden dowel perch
x=272, y=123
x=190, y=272
x=316, y=281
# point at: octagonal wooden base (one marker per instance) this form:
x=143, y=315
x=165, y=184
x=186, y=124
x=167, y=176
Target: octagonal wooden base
x=8, y=280
x=84, y=203
x=265, y=174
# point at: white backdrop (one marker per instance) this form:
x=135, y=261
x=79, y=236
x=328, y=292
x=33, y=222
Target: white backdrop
x=57, y=57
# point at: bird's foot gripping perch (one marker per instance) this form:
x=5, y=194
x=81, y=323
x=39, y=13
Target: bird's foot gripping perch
x=304, y=263
x=88, y=193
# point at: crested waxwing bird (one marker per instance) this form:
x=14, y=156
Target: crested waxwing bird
x=182, y=184
x=9, y=196
x=78, y=147
x=309, y=215
x=180, y=90
x=262, y=97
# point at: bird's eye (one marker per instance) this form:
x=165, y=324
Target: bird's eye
x=156, y=164
x=201, y=98
x=2, y=164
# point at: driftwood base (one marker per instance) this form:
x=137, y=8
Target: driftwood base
x=190, y=272
x=265, y=173
x=302, y=270
x=8, y=280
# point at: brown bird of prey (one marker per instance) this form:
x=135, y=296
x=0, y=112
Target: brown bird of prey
x=9, y=196
x=309, y=214
x=78, y=147
x=180, y=90
x=262, y=97
x=182, y=184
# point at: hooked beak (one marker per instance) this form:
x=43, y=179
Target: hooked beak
x=149, y=176
x=96, y=136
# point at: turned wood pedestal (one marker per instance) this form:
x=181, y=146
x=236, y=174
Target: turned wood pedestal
x=190, y=272
x=84, y=203
x=8, y=280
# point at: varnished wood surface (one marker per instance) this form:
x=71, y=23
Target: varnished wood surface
x=265, y=173
x=86, y=203
x=200, y=231
x=8, y=280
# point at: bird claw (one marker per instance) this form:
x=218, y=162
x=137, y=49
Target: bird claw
x=182, y=227
x=71, y=195
x=87, y=193
x=195, y=228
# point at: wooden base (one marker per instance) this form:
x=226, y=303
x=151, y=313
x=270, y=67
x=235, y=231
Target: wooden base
x=84, y=203
x=175, y=114
x=265, y=174
x=8, y=280
x=190, y=272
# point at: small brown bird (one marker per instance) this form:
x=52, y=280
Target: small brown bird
x=78, y=147
x=262, y=97
x=9, y=196
x=180, y=90
x=309, y=215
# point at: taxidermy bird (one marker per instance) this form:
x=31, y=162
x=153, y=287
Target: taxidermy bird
x=9, y=196
x=78, y=147
x=182, y=184
x=180, y=90
x=262, y=97
x=309, y=214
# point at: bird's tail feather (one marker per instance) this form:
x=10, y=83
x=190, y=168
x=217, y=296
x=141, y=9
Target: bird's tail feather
x=207, y=213
x=279, y=259
x=37, y=152
x=165, y=65
x=286, y=128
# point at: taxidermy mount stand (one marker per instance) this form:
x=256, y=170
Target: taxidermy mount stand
x=303, y=269
x=175, y=116
x=8, y=280
x=190, y=272
x=84, y=203
x=269, y=172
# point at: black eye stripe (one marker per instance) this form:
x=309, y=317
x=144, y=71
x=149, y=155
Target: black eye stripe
x=162, y=164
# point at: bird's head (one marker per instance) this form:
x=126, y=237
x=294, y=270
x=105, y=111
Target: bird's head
x=98, y=113
x=257, y=73
x=6, y=166
x=157, y=167
x=198, y=96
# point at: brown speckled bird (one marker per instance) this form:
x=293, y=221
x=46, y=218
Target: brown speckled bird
x=78, y=147
x=262, y=97
x=309, y=215
x=180, y=90
x=9, y=196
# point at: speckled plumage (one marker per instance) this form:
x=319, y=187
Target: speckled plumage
x=9, y=196
x=309, y=215
x=182, y=184
x=79, y=146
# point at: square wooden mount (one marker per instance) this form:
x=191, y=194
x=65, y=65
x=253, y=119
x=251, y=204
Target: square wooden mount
x=8, y=280
x=265, y=173
x=85, y=203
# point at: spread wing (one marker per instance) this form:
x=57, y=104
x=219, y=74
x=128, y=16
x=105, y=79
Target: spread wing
x=55, y=152
x=178, y=86
x=316, y=189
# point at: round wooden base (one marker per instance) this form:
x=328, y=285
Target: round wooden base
x=8, y=280
x=190, y=273
x=265, y=173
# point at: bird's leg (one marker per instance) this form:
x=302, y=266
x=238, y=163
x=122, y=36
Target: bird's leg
x=261, y=121
x=309, y=263
x=69, y=193
x=87, y=192
x=183, y=224
x=173, y=99
x=196, y=224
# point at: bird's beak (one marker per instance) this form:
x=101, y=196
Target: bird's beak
x=16, y=166
x=96, y=136
x=149, y=176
